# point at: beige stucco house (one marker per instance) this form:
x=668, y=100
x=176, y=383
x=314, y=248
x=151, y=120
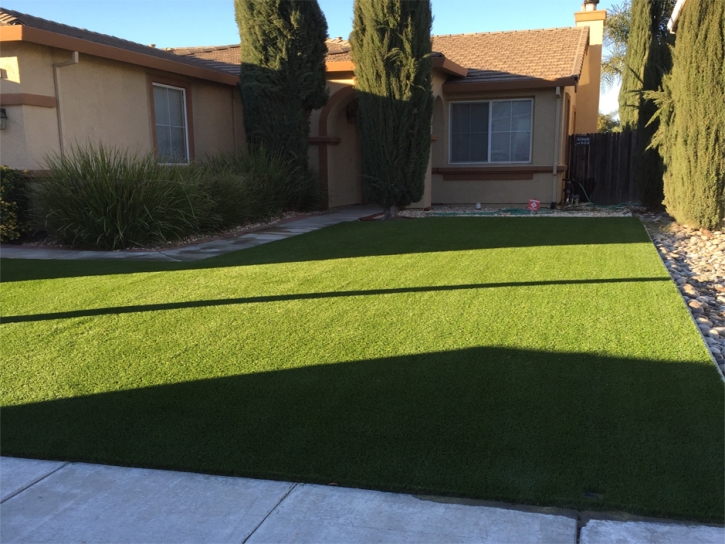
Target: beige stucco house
x=505, y=103
x=62, y=86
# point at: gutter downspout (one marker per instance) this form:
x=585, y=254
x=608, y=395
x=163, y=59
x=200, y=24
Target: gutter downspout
x=557, y=137
x=56, y=65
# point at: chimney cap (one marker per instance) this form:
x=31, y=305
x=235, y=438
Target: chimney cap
x=590, y=5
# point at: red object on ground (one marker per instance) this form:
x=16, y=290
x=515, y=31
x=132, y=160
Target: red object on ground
x=534, y=205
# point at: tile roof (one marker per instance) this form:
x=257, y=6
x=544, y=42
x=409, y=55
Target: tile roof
x=547, y=54
x=10, y=18
x=495, y=56
x=227, y=58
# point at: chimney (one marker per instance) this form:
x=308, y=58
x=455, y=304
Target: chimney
x=587, y=100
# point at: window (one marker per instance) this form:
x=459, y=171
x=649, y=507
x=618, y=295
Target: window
x=495, y=131
x=172, y=139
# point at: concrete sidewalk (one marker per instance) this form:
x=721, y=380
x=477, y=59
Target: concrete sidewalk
x=49, y=501
x=204, y=250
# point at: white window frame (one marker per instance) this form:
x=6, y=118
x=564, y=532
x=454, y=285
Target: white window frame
x=490, y=121
x=186, y=124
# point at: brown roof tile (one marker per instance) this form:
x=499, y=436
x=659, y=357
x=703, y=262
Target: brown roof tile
x=227, y=57
x=10, y=17
x=490, y=56
x=543, y=54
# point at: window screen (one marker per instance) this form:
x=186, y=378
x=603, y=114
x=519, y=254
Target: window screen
x=171, y=135
x=502, y=127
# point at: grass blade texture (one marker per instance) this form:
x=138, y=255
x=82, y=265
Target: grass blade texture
x=545, y=361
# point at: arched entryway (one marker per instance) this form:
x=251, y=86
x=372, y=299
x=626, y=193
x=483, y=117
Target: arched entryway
x=342, y=166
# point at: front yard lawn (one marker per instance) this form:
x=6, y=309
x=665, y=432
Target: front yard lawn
x=545, y=361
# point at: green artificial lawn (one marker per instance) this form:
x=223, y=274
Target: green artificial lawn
x=545, y=361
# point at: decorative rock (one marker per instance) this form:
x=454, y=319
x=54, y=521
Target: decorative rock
x=690, y=291
x=713, y=334
x=696, y=306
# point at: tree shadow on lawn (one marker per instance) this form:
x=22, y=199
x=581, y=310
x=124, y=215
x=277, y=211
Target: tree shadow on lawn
x=500, y=424
x=366, y=239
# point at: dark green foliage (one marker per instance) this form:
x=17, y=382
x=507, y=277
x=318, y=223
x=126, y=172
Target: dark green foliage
x=691, y=136
x=647, y=60
x=391, y=48
x=103, y=198
x=254, y=186
x=14, y=219
x=282, y=78
x=607, y=122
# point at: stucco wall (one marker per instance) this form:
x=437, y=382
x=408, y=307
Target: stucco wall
x=103, y=101
x=543, y=186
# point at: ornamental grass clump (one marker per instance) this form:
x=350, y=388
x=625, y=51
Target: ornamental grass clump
x=105, y=198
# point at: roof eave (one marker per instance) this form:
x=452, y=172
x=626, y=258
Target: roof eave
x=21, y=33
x=463, y=87
x=449, y=67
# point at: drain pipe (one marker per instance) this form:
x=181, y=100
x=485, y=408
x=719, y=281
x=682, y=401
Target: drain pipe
x=557, y=137
x=73, y=60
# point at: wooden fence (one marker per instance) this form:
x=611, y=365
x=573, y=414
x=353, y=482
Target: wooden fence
x=602, y=164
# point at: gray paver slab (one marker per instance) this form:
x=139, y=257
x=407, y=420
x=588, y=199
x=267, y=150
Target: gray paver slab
x=314, y=513
x=645, y=532
x=95, y=503
x=16, y=474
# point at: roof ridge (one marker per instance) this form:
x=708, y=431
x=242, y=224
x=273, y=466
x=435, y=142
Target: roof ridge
x=507, y=31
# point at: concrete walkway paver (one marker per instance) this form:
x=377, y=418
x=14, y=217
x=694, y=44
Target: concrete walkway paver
x=97, y=503
x=599, y=531
x=204, y=250
x=19, y=474
x=59, y=502
x=314, y=513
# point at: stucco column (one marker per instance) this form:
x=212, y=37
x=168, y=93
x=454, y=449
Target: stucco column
x=587, y=102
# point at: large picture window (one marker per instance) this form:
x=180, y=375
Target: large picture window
x=172, y=138
x=493, y=131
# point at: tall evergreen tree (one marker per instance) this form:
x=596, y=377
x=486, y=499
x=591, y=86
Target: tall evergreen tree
x=691, y=135
x=647, y=60
x=282, y=78
x=391, y=48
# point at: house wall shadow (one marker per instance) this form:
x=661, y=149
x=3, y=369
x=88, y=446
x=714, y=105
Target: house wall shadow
x=365, y=239
x=488, y=423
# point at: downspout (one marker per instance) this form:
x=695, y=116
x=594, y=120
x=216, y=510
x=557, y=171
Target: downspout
x=555, y=167
x=73, y=60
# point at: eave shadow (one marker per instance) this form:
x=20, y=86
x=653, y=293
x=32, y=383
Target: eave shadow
x=366, y=239
x=488, y=423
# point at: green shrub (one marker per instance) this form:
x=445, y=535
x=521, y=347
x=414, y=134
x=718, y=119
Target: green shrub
x=14, y=219
x=104, y=198
x=258, y=185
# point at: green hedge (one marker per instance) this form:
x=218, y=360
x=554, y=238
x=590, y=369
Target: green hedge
x=104, y=198
x=14, y=218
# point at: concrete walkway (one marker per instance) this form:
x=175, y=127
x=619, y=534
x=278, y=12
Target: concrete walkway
x=50, y=501
x=204, y=250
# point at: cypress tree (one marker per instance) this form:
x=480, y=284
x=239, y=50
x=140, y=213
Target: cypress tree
x=691, y=136
x=391, y=48
x=282, y=77
x=647, y=60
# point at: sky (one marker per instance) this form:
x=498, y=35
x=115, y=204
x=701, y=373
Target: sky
x=174, y=23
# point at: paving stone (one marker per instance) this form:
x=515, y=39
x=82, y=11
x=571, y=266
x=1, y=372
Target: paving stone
x=640, y=532
x=17, y=474
x=95, y=503
x=315, y=513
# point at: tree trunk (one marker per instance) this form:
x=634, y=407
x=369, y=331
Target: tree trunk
x=390, y=213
